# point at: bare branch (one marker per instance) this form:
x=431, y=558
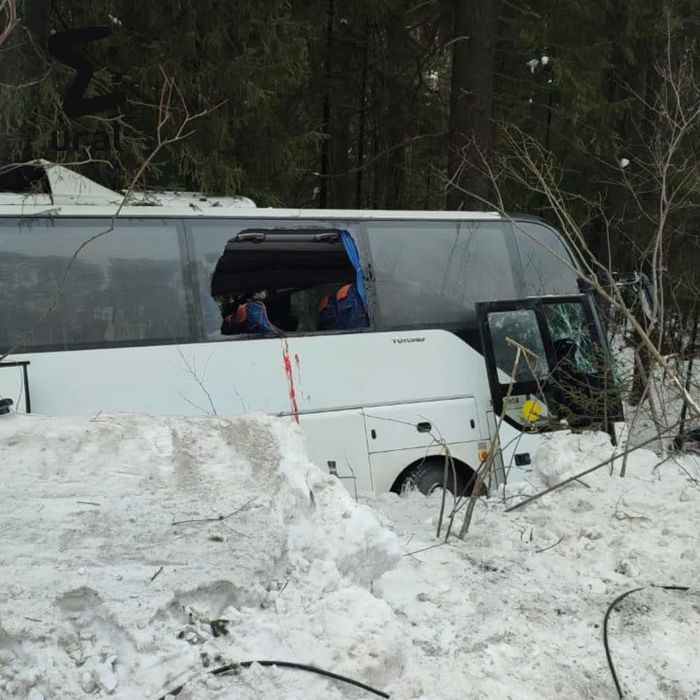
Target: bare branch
x=8, y=19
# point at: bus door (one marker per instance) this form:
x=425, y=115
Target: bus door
x=549, y=368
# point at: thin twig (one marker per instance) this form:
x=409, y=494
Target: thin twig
x=425, y=549
x=8, y=7
x=192, y=371
x=218, y=518
x=544, y=549
x=489, y=462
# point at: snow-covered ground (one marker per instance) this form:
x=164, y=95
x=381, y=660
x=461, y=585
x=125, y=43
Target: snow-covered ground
x=517, y=608
x=105, y=592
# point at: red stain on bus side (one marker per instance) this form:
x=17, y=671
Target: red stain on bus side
x=297, y=363
x=290, y=379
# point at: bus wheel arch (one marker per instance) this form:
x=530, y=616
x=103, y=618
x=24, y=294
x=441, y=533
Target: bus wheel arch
x=427, y=474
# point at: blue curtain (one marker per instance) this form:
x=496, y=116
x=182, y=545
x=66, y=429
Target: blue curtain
x=354, y=257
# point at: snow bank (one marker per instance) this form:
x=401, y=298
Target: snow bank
x=119, y=579
x=136, y=553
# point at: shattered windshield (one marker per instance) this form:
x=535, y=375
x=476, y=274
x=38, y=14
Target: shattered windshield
x=567, y=321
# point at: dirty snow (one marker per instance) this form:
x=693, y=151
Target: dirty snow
x=105, y=592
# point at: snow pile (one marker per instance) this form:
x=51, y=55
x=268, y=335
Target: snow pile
x=516, y=610
x=562, y=456
x=137, y=553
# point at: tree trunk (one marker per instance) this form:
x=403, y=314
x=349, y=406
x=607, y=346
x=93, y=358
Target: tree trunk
x=395, y=124
x=339, y=190
x=21, y=63
x=362, y=120
x=470, y=127
x=325, y=148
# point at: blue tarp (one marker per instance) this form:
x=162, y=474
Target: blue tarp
x=354, y=257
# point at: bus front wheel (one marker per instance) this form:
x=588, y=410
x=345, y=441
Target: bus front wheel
x=429, y=475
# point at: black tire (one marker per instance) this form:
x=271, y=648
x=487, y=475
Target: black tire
x=429, y=475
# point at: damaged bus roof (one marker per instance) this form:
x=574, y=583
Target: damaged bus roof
x=72, y=194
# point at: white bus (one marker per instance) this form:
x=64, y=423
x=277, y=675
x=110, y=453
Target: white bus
x=383, y=333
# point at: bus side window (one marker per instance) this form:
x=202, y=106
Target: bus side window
x=546, y=263
x=433, y=273
x=126, y=286
x=287, y=266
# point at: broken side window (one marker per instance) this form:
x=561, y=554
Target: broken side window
x=280, y=280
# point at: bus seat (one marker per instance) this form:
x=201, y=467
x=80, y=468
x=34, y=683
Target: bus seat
x=250, y=317
x=351, y=308
x=344, y=311
x=328, y=319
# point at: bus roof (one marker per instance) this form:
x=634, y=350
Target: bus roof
x=72, y=194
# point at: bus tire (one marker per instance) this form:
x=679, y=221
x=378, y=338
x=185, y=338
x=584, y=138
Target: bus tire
x=428, y=475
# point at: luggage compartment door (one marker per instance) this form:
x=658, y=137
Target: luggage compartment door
x=408, y=426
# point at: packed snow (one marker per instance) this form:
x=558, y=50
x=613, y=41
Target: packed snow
x=137, y=554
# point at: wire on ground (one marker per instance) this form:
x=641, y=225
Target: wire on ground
x=234, y=667
x=612, y=605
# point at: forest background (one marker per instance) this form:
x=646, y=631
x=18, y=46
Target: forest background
x=385, y=104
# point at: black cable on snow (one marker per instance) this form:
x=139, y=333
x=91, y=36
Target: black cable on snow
x=286, y=664
x=620, y=598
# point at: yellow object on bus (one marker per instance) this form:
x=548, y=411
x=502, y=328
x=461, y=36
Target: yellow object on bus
x=532, y=410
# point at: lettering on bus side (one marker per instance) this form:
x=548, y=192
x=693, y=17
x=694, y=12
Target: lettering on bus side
x=399, y=341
